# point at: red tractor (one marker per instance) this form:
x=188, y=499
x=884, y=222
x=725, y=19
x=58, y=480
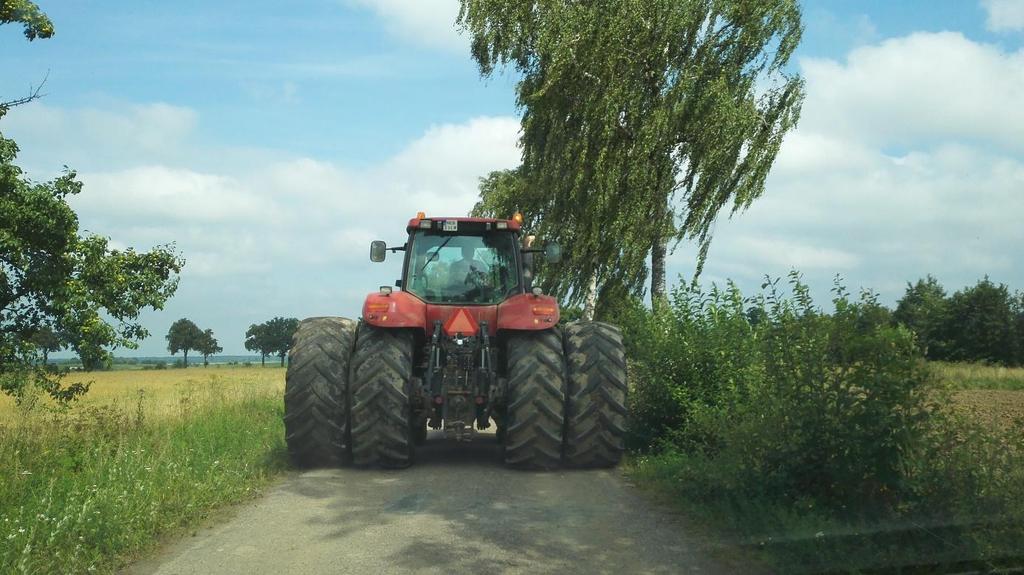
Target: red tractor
x=467, y=340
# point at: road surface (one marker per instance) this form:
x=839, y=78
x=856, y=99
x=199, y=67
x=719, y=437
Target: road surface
x=457, y=510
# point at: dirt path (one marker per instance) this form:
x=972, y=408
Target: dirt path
x=456, y=511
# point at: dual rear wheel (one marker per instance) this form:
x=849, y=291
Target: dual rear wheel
x=348, y=387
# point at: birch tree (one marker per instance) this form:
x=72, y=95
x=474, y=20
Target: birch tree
x=642, y=120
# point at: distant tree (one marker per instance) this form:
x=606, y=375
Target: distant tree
x=208, y=346
x=923, y=309
x=271, y=337
x=981, y=324
x=256, y=340
x=280, y=330
x=184, y=336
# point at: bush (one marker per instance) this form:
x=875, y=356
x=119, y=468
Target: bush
x=825, y=431
x=779, y=396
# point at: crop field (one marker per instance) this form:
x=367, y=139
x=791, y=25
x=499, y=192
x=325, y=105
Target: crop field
x=165, y=393
x=991, y=395
x=144, y=454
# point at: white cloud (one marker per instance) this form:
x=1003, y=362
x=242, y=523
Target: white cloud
x=160, y=194
x=1004, y=15
x=100, y=138
x=788, y=253
x=233, y=222
x=425, y=22
x=913, y=90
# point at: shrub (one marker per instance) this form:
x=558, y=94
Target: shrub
x=773, y=395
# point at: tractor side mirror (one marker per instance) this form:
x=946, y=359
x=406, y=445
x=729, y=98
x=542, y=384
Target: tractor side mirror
x=378, y=250
x=553, y=253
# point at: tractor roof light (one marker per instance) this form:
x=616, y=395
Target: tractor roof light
x=385, y=290
x=502, y=225
x=425, y=224
x=420, y=215
x=518, y=217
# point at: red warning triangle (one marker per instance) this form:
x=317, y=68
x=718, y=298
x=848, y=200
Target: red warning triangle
x=461, y=322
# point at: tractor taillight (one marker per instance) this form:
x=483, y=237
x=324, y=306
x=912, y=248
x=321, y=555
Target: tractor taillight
x=377, y=306
x=544, y=310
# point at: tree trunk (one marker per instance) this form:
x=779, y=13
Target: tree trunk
x=659, y=247
x=591, y=301
x=282, y=360
x=206, y=361
x=658, y=253
x=263, y=360
x=186, y=358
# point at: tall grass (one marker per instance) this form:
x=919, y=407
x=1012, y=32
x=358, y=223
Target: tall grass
x=83, y=490
x=979, y=376
x=823, y=440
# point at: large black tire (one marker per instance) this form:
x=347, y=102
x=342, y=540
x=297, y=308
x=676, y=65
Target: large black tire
x=596, y=411
x=315, y=392
x=536, y=400
x=379, y=395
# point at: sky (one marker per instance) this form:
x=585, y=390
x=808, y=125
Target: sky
x=273, y=141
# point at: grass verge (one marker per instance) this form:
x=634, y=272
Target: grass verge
x=86, y=490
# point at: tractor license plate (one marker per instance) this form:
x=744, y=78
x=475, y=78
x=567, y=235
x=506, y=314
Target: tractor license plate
x=450, y=226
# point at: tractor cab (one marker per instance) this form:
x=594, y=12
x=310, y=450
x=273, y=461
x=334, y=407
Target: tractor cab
x=474, y=261
x=469, y=267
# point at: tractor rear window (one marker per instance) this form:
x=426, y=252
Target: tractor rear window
x=451, y=268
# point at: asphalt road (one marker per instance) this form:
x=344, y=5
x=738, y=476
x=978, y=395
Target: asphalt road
x=457, y=510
